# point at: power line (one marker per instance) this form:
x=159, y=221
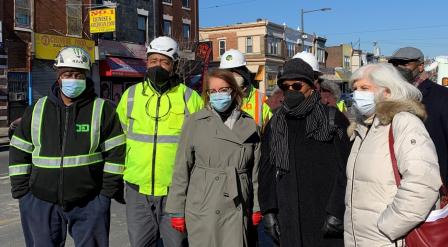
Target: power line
x=389, y=30
x=228, y=4
x=428, y=41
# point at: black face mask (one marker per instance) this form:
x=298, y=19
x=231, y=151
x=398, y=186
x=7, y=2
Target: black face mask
x=407, y=74
x=158, y=75
x=293, y=98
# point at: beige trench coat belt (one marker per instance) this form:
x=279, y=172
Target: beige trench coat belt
x=231, y=173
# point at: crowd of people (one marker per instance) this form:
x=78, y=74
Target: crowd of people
x=226, y=168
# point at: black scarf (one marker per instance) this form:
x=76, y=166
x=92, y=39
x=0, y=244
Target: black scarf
x=317, y=128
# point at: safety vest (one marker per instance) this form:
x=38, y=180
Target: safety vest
x=92, y=157
x=152, y=123
x=341, y=106
x=254, y=105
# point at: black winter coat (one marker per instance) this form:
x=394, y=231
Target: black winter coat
x=314, y=187
x=65, y=132
x=435, y=99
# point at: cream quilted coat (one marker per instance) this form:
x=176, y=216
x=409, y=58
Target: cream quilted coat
x=377, y=212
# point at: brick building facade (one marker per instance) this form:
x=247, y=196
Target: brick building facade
x=3, y=74
x=266, y=46
x=120, y=57
x=180, y=20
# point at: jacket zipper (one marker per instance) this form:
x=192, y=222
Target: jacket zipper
x=61, y=165
x=154, y=147
x=353, y=181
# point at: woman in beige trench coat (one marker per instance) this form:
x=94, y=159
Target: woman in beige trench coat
x=214, y=186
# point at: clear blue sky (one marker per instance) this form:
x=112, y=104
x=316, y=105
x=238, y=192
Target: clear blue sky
x=392, y=23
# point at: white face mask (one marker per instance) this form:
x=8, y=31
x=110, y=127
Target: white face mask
x=239, y=80
x=364, y=102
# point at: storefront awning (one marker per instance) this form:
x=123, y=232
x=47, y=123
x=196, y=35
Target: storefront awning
x=122, y=67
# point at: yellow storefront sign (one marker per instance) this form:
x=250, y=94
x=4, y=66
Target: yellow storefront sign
x=102, y=20
x=48, y=46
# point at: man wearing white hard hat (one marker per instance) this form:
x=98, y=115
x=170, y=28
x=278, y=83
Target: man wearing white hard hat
x=327, y=95
x=254, y=100
x=312, y=61
x=152, y=113
x=67, y=160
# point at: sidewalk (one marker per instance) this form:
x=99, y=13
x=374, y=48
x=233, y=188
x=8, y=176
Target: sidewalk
x=4, y=140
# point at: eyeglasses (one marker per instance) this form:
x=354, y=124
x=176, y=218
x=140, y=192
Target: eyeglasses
x=295, y=86
x=221, y=90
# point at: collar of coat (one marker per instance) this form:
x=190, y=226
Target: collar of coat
x=386, y=111
x=243, y=129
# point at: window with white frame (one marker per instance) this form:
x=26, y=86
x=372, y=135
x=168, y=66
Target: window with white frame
x=274, y=46
x=222, y=46
x=186, y=31
x=346, y=61
x=249, y=44
x=141, y=28
x=168, y=1
x=167, y=28
x=22, y=15
x=320, y=55
x=270, y=45
x=74, y=17
x=186, y=4
x=291, y=49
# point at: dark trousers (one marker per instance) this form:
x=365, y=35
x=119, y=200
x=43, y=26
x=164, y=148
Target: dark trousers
x=45, y=224
x=148, y=223
x=264, y=240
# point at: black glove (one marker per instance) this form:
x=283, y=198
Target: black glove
x=119, y=197
x=120, y=200
x=271, y=226
x=333, y=227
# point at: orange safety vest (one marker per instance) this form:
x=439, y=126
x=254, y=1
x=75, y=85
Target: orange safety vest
x=254, y=106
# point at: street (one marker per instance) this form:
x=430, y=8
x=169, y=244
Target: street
x=11, y=230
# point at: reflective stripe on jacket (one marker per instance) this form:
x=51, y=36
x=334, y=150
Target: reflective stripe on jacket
x=256, y=107
x=67, y=154
x=152, y=123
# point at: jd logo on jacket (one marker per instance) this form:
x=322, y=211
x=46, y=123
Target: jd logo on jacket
x=82, y=128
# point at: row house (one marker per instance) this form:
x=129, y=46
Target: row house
x=266, y=45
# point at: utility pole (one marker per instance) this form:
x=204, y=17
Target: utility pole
x=302, y=27
x=302, y=32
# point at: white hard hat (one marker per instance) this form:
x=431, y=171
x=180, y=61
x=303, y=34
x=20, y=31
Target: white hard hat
x=73, y=57
x=309, y=59
x=164, y=45
x=232, y=59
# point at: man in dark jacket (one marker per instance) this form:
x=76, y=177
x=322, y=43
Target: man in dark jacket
x=302, y=172
x=409, y=61
x=66, y=160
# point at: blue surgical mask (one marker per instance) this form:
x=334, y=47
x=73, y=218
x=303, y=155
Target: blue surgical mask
x=221, y=101
x=364, y=102
x=72, y=88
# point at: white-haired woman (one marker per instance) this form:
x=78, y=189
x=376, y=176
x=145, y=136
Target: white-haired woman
x=377, y=212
